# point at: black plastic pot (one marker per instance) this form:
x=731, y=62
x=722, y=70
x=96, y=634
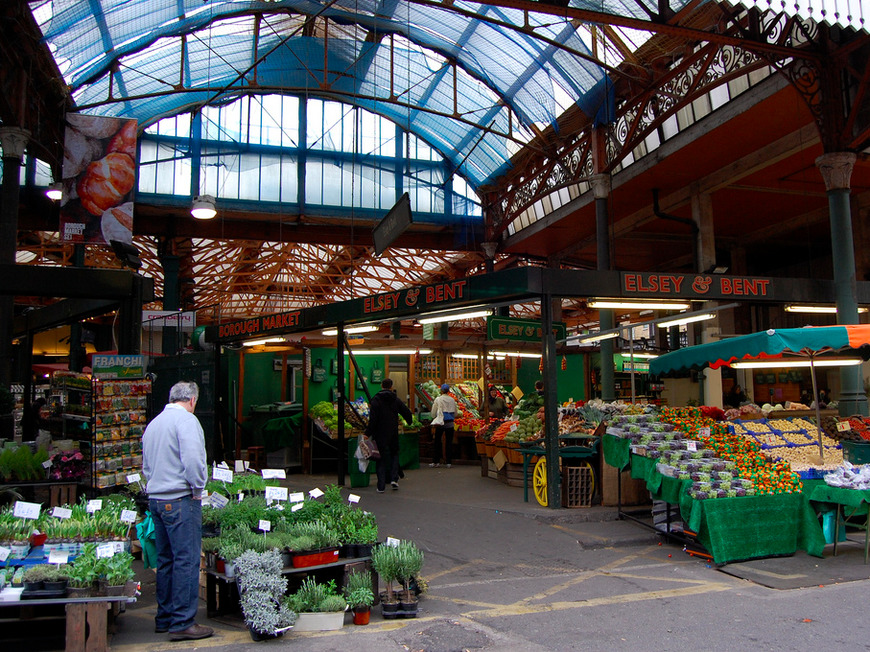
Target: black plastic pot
x=257, y=636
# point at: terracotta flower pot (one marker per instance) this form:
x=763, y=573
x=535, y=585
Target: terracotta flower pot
x=361, y=615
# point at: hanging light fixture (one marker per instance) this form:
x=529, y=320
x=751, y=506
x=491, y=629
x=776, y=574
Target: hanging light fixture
x=55, y=191
x=203, y=207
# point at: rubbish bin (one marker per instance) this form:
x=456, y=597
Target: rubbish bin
x=357, y=478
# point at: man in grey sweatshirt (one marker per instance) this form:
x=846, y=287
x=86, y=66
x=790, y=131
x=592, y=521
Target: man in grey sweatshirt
x=174, y=464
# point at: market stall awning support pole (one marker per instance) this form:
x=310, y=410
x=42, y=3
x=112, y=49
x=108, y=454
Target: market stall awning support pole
x=836, y=169
x=818, y=412
x=601, y=186
x=340, y=408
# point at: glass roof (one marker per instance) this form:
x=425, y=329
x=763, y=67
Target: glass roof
x=474, y=81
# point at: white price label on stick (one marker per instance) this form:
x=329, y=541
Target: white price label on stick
x=353, y=498
x=133, y=477
x=843, y=426
x=691, y=445
x=265, y=526
x=26, y=510
x=222, y=475
x=276, y=493
x=315, y=493
x=61, y=512
x=240, y=466
x=218, y=501
x=58, y=556
x=4, y=553
x=105, y=550
x=392, y=541
x=129, y=516
x=297, y=507
x=296, y=497
x=46, y=464
x=95, y=505
x=279, y=474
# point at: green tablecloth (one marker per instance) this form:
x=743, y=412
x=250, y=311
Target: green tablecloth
x=616, y=451
x=731, y=529
x=855, y=498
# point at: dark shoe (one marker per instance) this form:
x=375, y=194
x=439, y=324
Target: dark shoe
x=160, y=630
x=192, y=633
x=380, y=491
x=395, y=485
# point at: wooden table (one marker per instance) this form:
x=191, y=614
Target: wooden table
x=87, y=619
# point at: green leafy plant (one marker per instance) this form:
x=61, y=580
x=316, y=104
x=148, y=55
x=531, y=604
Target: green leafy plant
x=358, y=589
x=39, y=573
x=385, y=563
x=83, y=571
x=409, y=563
x=313, y=597
x=261, y=590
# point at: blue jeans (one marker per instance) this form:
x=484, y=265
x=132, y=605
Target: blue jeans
x=178, y=539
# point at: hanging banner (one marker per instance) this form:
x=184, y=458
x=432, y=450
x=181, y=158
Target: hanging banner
x=99, y=179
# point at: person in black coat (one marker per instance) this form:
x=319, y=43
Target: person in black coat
x=31, y=420
x=383, y=427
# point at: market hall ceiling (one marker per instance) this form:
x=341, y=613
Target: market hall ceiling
x=508, y=92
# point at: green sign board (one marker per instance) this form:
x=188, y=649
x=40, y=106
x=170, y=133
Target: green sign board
x=118, y=366
x=519, y=330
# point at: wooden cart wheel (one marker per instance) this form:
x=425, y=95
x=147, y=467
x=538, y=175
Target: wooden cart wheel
x=539, y=481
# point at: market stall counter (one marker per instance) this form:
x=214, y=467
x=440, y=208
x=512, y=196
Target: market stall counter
x=731, y=529
x=851, y=502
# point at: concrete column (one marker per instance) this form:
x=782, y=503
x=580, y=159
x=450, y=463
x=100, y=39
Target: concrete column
x=836, y=169
x=14, y=141
x=702, y=214
x=601, y=187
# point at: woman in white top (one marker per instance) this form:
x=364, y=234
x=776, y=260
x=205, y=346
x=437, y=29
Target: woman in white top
x=443, y=414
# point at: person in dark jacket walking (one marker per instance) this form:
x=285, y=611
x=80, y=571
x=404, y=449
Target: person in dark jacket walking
x=383, y=427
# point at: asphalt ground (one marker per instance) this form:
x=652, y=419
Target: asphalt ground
x=509, y=575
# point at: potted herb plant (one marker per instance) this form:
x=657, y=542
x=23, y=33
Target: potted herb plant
x=118, y=571
x=82, y=574
x=319, y=606
x=409, y=564
x=385, y=564
x=35, y=576
x=261, y=591
x=360, y=597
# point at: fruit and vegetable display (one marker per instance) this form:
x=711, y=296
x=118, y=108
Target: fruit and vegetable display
x=528, y=405
x=720, y=463
x=854, y=428
x=326, y=415
x=794, y=441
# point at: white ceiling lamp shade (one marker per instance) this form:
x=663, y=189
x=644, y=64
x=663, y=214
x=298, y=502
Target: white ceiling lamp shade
x=515, y=354
x=437, y=318
x=679, y=321
x=267, y=340
x=816, y=310
x=781, y=364
x=389, y=351
x=203, y=207
x=640, y=304
x=598, y=337
x=55, y=191
x=352, y=330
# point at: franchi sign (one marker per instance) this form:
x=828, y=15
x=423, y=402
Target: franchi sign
x=695, y=286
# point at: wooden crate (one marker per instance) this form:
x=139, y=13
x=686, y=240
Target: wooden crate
x=577, y=486
x=634, y=492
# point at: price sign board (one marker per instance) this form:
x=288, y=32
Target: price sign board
x=26, y=510
x=61, y=512
x=128, y=516
x=265, y=526
x=296, y=497
x=222, y=475
x=276, y=493
x=95, y=505
x=280, y=474
x=105, y=550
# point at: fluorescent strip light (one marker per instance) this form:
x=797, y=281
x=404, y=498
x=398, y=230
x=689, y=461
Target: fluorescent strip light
x=819, y=310
x=455, y=316
x=778, y=364
x=389, y=352
x=598, y=338
x=352, y=330
x=464, y=356
x=679, y=321
x=516, y=354
x=267, y=340
x=652, y=304
x=648, y=356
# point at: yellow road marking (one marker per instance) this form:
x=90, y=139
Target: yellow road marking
x=523, y=608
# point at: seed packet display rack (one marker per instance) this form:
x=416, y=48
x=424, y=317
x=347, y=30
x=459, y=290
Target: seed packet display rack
x=120, y=416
